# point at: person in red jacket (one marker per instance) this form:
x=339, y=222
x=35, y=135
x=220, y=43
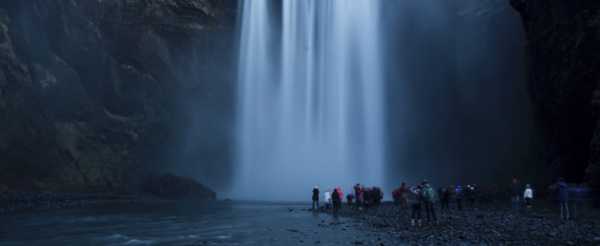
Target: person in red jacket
x=400, y=196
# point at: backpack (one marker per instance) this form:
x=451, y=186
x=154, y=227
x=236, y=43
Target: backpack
x=428, y=194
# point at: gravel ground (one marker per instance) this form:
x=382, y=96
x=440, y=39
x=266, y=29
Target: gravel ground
x=485, y=225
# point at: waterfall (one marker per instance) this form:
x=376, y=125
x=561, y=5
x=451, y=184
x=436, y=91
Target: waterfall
x=310, y=99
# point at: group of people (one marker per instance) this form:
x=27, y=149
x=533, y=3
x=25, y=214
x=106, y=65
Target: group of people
x=420, y=196
x=562, y=192
x=423, y=196
x=366, y=196
x=333, y=200
x=518, y=194
x=361, y=197
x=459, y=193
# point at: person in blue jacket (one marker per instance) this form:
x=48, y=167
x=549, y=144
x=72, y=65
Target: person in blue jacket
x=562, y=191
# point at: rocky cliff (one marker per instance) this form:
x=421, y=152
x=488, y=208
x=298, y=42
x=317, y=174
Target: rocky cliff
x=89, y=90
x=563, y=42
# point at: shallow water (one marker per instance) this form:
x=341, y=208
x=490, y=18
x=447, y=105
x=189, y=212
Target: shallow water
x=169, y=224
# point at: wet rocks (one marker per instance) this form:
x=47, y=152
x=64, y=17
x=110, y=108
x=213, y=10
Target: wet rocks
x=489, y=224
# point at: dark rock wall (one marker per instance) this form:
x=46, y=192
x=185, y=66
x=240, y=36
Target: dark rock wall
x=90, y=90
x=564, y=75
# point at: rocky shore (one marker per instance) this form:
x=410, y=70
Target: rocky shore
x=485, y=225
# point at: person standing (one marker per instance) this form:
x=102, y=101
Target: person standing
x=358, y=196
x=315, y=198
x=468, y=196
x=515, y=189
x=327, y=197
x=396, y=196
x=377, y=196
x=404, y=196
x=429, y=199
x=367, y=197
x=340, y=196
x=459, y=195
x=444, y=199
x=562, y=190
x=471, y=195
x=337, y=202
x=400, y=196
x=528, y=196
x=415, y=206
x=350, y=200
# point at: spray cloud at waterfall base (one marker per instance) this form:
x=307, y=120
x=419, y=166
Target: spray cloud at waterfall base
x=310, y=107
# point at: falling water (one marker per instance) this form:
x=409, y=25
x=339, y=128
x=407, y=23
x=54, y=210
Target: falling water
x=310, y=98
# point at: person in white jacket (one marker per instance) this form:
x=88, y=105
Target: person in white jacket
x=327, y=196
x=528, y=195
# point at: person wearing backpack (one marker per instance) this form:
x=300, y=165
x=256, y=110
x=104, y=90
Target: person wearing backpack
x=415, y=204
x=428, y=200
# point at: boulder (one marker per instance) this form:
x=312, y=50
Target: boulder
x=170, y=186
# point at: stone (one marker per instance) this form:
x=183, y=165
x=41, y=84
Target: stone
x=462, y=228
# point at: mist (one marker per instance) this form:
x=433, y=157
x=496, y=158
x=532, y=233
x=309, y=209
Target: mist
x=202, y=137
x=457, y=108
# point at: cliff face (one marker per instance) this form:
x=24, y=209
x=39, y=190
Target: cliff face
x=564, y=61
x=89, y=90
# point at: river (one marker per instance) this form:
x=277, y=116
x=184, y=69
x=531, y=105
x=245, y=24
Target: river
x=186, y=224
